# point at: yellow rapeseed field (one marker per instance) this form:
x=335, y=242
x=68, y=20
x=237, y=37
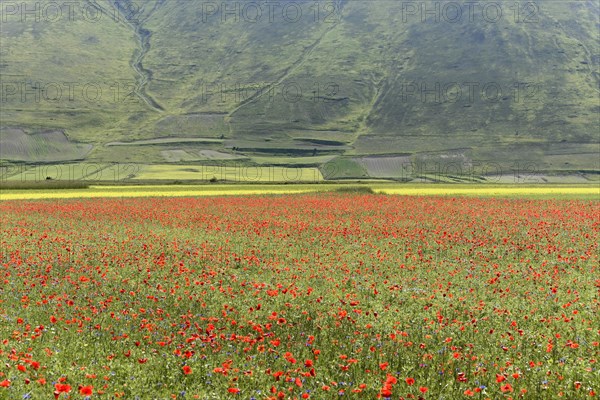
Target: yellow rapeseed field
x=559, y=191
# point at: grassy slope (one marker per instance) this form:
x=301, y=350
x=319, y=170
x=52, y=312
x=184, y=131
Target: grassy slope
x=51, y=55
x=197, y=77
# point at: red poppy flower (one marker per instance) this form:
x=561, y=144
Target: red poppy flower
x=187, y=369
x=62, y=388
x=86, y=390
x=506, y=388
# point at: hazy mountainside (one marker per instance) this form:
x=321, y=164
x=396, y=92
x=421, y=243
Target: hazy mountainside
x=414, y=81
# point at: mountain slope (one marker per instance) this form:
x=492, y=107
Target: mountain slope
x=432, y=82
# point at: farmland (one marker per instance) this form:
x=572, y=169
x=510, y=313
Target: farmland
x=312, y=295
x=44, y=190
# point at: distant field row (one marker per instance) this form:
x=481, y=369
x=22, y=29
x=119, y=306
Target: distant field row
x=91, y=172
x=534, y=191
x=240, y=172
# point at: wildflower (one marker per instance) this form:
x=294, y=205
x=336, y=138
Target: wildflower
x=86, y=390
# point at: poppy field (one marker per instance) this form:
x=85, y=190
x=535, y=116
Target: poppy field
x=313, y=295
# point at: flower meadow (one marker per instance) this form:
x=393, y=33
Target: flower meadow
x=319, y=296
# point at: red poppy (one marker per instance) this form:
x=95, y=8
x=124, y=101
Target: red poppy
x=410, y=381
x=187, y=369
x=62, y=388
x=506, y=388
x=86, y=390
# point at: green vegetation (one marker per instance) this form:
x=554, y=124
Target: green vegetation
x=165, y=82
x=341, y=168
x=355, y=190
x=40, y=187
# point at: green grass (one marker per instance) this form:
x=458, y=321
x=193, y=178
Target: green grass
x=41, y=186
x=341, y=168
x=354, y=190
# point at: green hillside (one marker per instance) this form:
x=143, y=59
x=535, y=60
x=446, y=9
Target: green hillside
x=381, y=89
